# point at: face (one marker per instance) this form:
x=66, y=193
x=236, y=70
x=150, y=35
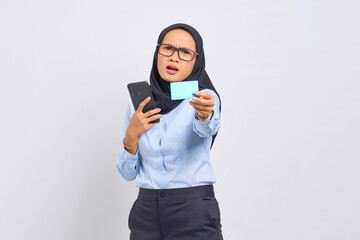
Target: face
x=174, y=69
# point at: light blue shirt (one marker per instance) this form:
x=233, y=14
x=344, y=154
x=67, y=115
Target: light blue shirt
x=174, y=153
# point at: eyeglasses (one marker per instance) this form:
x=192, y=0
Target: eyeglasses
x=183, y=53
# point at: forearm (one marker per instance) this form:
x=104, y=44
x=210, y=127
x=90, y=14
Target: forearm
x=210, y=125
x=128, y=159
x=127, y=165
x=130, y=142
x=207, y=129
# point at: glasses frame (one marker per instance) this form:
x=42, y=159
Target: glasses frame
x=176, y=49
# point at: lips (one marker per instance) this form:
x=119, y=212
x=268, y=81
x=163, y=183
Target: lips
x=171, y=69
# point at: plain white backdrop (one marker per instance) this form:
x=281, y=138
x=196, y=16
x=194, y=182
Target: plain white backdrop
x=287, y=154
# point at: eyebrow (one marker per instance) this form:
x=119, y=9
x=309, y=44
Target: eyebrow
x=180, y=47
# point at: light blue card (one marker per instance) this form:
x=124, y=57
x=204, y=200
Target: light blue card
x=183, y=90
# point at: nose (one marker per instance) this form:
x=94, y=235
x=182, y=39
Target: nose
x=175, y=56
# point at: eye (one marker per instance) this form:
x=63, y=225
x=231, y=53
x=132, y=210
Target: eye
x=167, y=48
x=185, y=52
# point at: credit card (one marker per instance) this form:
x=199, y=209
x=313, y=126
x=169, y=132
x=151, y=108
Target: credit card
x=183, y=90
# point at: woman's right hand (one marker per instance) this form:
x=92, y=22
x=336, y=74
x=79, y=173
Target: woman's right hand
x=140, y=123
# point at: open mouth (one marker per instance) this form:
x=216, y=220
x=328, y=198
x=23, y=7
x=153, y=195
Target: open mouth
x=171, y=69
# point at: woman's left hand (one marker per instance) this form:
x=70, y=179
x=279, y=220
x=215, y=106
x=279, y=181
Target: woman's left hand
x=203, y=104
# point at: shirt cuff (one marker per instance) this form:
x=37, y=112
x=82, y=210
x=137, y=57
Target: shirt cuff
x=132, y=160
x=205, y=129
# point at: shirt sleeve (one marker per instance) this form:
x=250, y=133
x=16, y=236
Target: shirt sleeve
x=209, y=128
x=126, y=163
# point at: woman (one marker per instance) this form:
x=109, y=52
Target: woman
x=170, y=159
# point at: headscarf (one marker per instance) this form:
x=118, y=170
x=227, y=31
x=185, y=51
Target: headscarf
x=161, y=89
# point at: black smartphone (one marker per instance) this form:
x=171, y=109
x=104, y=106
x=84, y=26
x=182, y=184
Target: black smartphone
x=138, y=92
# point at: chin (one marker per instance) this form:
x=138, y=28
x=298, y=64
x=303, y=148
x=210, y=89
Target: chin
x=171, y=78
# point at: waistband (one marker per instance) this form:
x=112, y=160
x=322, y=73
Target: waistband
x=177, y=193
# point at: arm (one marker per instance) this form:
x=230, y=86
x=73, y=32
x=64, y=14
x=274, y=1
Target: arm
x=126, y=162
x=207, y=103
x=136, y=123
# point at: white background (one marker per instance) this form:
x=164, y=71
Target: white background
x=287, y=154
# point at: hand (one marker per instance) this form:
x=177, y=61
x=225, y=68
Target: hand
x=140, y=122
x=203, y=104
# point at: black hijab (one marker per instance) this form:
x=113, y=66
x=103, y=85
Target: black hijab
x=161, y=88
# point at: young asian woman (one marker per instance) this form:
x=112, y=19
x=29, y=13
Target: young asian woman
x=170, y=159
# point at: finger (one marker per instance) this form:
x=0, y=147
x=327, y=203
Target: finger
x=154, y=117
x=152, y=112
x=150, y=125
x=205, y=102
x=205, y=110
x=143, y=103
x=201, y=106
x=204, y=95
x=202, y=113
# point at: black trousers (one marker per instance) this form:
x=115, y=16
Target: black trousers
x=175, y=214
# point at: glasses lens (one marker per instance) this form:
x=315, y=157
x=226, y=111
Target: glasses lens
x=186, y=54
x=166, y=50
